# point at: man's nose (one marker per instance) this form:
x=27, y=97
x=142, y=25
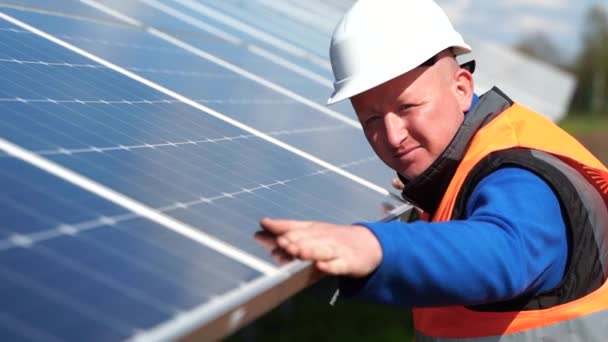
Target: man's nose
x=396, y=131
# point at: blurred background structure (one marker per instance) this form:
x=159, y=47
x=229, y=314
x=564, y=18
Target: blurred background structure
x=250, y=79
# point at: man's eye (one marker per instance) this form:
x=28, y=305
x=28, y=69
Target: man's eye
x=371, y=120
x=405, y=107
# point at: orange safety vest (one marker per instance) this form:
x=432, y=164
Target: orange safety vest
x=584, y=319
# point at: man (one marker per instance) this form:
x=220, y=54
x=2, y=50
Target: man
x=514, y=243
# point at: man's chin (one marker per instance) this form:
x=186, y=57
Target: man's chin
x=410, y=172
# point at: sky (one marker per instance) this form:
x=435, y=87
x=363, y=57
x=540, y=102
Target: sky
x=506, y=21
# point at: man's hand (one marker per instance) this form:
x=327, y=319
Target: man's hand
x=397, y=183
x=334, y=249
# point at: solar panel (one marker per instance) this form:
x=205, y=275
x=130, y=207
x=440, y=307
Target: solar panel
x=229, y=87
x=535, y=84
x=76, y=265
x=132, y=198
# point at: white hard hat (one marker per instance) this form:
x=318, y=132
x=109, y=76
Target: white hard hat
x=378, y=40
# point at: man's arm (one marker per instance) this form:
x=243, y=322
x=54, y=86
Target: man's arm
x=514, y=241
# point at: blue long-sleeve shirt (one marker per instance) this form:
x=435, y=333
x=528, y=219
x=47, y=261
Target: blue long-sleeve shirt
x=512, y=241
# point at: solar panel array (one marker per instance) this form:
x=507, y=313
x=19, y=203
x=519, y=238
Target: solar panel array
x=538, y=85
x=140, y=143
x=140, y=150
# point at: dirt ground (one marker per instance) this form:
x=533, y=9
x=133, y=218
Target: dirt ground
x=596, y=142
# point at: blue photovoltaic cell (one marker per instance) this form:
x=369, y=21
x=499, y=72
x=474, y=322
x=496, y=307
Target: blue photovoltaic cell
x=167, y=155
x=229, y=93
x=275, y=23
x=109, y=276
x=366, y=166
x=279, y=25
x=237, y=54
x=75, y=266
x=62, y=7
x=242, y=57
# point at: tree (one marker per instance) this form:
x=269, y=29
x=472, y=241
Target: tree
x=591, y=66
x=539, y=46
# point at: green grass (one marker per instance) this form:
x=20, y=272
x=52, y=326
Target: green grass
x=306, y=317
x=583, y=124
x=591, y=131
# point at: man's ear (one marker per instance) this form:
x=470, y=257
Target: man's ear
x=464, y=88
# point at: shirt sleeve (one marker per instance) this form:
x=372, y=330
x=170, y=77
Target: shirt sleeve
x=513, y=241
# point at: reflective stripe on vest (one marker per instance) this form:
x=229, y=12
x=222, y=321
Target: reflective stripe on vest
x=592, y=327
x=584, y=319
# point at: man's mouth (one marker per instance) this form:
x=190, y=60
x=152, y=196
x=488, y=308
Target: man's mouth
x=404, y=152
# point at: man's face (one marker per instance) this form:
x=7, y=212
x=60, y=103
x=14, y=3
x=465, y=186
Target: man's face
x=410, y=120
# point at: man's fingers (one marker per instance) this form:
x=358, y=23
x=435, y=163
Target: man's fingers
x=335, y=249
x=397, y=184
x=315, y=250
x=266, y=239
x=334, y=266
x=282, y=226
x=280, y=256
x=293, y=236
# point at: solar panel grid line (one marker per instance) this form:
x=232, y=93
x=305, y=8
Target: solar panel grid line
x=180, y=316
x=50, y=63
x=126, y=101
x=194, y=22
x=130, y=102
x=99, y=121
x=222, y=195
x=274, y=182
x=119, y=44
x=291, y=66
x=64, y=151
x=254, y=32
x=98, y=149
x=126, y=124
x=109, y=281
x=54, y=297
x=97, y=101
x=321, y=9
x=278, y=182
x=140, y=209
x=58, y=297
x=251, y=47
x=22, y=329
x=150, y=268
x=227, y=65
x=60, y=14
x=298, y=14
x=21, y=240
x=338, y=160
x=42, y=289
x=196, y=105
x=116, y=14
x=80, y=219
x=145, y=70
x=279, y=25
x=211, y=321
x=208, y=268
x=255, y=78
